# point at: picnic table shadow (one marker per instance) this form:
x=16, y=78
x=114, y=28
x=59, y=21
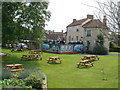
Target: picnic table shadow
x=30, y=60
x=83, y=67
x=53, y=63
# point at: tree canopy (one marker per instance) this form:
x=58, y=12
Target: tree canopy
x=23, y=20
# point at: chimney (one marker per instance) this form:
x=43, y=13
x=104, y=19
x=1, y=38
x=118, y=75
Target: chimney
x=89, y=16
x=74, y=20
x=62, y=31
x=104, y=21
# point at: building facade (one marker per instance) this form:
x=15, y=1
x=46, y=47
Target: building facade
x=86, y=31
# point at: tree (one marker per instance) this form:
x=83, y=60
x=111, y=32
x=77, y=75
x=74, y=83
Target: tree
x=99, y=49
x=110, y=9
x=8, y=25
x=100, y=40
x=24, y=20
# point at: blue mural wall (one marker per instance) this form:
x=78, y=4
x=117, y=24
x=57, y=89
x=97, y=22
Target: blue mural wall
x=45, y=46
x=79, y=48
x=64, y=48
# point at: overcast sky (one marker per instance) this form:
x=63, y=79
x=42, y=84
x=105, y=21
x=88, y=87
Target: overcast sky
x=64, y=11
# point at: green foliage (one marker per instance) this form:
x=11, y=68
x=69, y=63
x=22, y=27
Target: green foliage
x=89, y=51
x=113, y=45
x=6, y=74
x=13, y=83
x=100, y=39
x=23, y=74
x=100, y=50
x=23, y=20
x=34, y=80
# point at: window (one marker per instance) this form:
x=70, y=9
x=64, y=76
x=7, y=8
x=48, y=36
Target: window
x=88, y=33
x=72, y=39
x=76, y=38
x=69, y=38
x=77, y=30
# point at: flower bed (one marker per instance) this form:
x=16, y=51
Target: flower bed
x=26, y=79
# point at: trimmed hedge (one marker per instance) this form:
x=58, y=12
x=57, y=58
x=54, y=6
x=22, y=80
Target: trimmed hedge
x=100, y=50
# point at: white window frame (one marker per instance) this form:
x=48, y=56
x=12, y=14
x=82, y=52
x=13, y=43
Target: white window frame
x=87, y=35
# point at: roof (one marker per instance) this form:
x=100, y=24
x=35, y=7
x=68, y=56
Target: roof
x=55, y=36
x=77, y=22
x=93, y=23
x=96, y=23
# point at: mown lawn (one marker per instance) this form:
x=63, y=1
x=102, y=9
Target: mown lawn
x=67, y=75
x=113, y=53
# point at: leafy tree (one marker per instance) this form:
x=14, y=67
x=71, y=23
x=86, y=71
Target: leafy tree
x=8, y=25
x=100, y=40
x=99, y=49
x=24, y=20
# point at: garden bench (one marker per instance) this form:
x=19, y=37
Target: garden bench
x=16, y=70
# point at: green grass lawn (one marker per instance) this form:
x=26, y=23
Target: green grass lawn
x=114, y=53
x=67, y=75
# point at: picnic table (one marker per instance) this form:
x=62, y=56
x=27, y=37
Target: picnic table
x=35, y=51
x=32, y=57
x=54, y=59
x=14, y=67
x=90, y=57
x=85, y=63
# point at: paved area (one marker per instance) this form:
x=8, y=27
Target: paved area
x=101, y=55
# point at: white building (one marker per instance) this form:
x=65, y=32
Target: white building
x=87, y=30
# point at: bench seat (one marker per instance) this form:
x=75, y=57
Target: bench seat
x=16, y=70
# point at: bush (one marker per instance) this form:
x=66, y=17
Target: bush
x=89, y=52
x=13, y=83
x=100, y=50
x=6, y=74
x=113, y=45
x=34, y=81
x=23, y=74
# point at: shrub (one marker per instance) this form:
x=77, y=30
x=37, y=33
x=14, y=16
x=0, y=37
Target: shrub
x=13, y=83
x=113, y=45
x=100, y=50
x=6, y=74
x=34, y=80
x=23, y=74
x=89, y=52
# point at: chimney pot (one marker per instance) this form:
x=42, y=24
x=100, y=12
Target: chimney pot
x=74, y=20
x=104, y=21
x=89, y=16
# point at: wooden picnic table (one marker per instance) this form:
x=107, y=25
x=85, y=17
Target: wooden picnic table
x=85, y=63
x=54, y=59
x=90, y=57
x=31, y=57
x=14, y=67
x=10, y=66
x=35, y=51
